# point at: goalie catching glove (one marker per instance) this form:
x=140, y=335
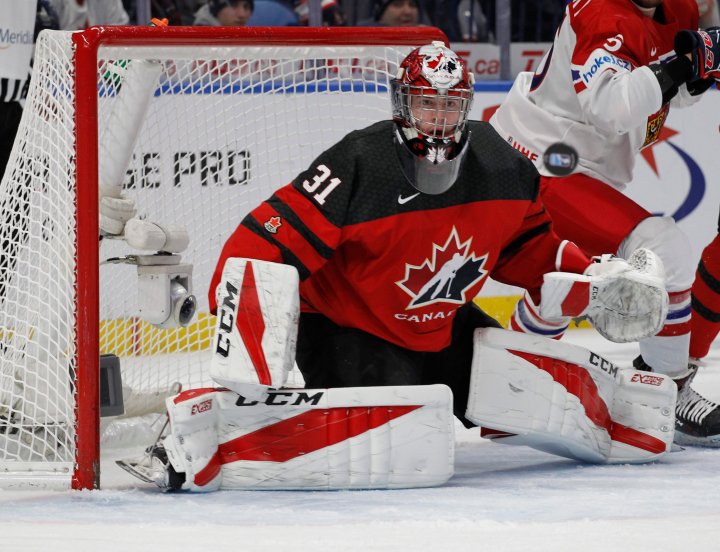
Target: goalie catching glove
x=624, y=300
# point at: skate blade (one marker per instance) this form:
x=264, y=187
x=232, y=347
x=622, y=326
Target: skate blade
x=685, y=440
x=133, y=470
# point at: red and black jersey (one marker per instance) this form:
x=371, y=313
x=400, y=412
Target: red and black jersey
x=375, y=254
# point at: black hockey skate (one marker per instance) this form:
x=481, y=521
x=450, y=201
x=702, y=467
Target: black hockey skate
x=154, y=467
x=697, y=419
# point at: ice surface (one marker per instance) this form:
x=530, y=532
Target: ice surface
x=501, y=498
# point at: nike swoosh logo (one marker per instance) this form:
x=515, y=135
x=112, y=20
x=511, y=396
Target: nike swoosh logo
x=403, y=200
x=653, y=51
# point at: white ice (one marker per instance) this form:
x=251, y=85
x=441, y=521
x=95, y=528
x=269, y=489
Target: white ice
x=501, y=498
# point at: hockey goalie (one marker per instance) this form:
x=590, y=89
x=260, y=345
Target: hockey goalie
x=362, y=271
x=252, y=433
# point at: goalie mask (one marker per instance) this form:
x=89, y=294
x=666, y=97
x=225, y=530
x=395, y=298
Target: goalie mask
x=431, y=99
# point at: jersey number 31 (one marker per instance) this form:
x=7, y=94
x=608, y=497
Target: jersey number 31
x=318, y=181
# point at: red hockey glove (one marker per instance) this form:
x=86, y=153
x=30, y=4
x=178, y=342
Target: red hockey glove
x=704, y=47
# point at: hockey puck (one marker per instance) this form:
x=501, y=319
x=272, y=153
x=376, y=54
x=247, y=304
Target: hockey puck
x=560, y=159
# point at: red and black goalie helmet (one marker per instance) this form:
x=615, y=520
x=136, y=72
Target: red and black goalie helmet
x=431, y=97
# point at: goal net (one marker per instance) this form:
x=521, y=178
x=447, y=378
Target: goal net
x=197, y=125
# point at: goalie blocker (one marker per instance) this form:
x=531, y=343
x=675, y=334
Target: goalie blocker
x=257, y=323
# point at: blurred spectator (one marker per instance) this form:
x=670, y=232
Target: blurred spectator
x=226, y=13
x=175, y=11
x=708, y=11
x=273, y=13
x=395, y=13
x=79, y=14
x=46, y=17
x=195, y=5
x=358, y=12
x=332, y=14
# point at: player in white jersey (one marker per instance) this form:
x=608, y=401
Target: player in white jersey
x=605, y=89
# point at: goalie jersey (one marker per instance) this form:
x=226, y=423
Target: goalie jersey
x=375, y=254
x=593, y=89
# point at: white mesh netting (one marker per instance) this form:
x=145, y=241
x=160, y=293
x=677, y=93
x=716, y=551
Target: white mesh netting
x=224, y=127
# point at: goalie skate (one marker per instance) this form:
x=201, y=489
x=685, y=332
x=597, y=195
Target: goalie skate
x=153, y=467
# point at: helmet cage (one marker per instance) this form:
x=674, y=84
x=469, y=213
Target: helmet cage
x=433, y=115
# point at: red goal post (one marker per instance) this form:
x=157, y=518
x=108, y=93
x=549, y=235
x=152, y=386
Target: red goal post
x=236, y=113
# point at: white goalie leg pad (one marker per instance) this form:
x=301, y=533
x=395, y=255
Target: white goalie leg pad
x=567, y=400
x=344, y=438
x=192, y=444
x=625, y=301
x=257, y=320
x=349, y=438
x=644, y=402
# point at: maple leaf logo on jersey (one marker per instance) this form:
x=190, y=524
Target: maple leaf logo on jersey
x=445, y=276
x=272, y=224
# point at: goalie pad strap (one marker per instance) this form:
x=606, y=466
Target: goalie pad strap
x=384, y=437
